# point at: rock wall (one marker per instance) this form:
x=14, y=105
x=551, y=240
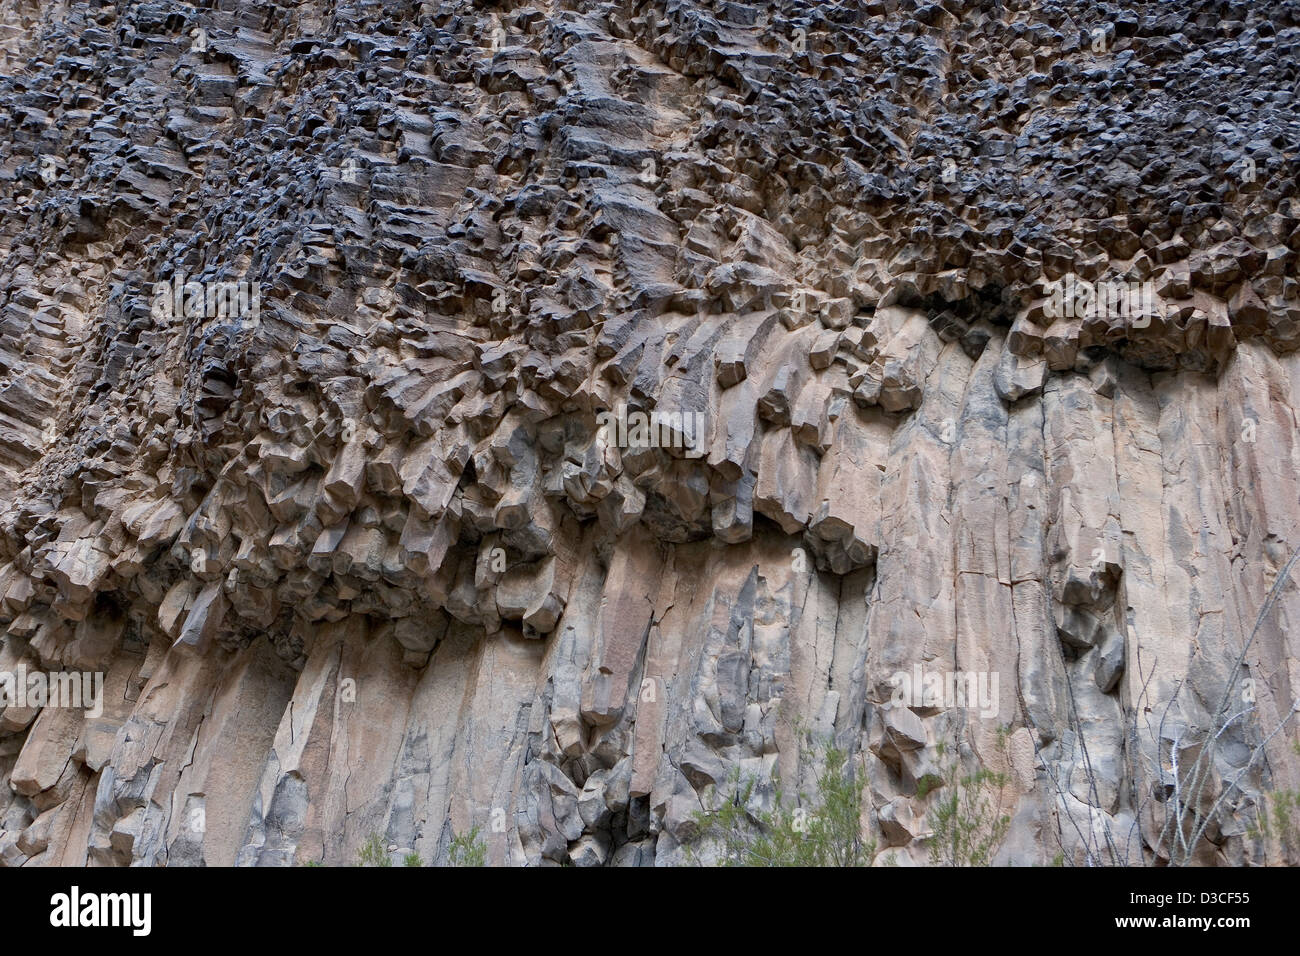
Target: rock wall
x=531, y=415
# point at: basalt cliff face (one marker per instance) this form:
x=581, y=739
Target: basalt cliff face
x=533, y=416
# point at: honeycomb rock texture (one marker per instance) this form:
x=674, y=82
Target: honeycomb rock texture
x=533, y=416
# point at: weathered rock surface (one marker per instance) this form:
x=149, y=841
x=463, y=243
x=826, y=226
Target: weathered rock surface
x=527, y=415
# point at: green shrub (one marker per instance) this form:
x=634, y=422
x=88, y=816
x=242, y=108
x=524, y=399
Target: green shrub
x=966, y=820
x=1279, y=818
x=373, y=853
x=468, y=849
x=828, y=835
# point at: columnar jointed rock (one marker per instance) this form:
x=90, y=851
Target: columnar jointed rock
x=450, y=414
